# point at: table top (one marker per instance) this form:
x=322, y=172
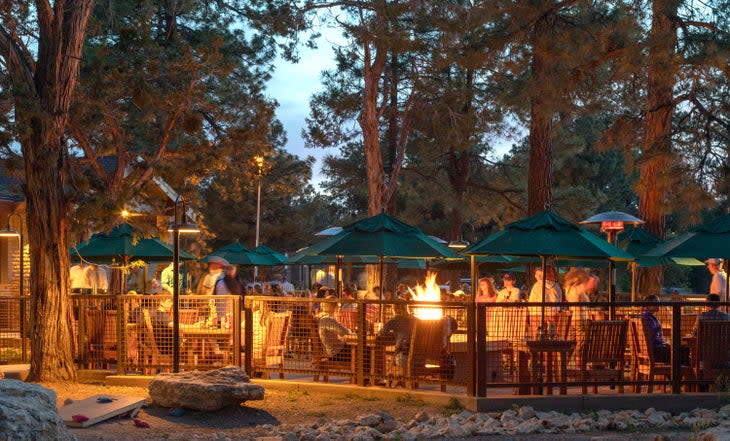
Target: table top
x=545, y=345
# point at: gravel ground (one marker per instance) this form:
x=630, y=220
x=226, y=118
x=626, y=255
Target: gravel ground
x=280, y=410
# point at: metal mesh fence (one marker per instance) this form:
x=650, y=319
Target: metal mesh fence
x=13, y=338
x=493, y=348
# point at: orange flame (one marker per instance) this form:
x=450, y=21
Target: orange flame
x=429, y=292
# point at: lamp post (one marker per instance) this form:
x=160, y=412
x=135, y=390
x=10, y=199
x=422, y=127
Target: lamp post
x=8, y=232
x=260, y=173
x=177, y=228
x=612, y=223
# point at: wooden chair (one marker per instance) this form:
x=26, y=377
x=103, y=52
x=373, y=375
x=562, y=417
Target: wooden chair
x=322, y=364
x=644, y=363
x=188, y=316
x=563, y=325
x=712, y=353
x=273, y=347
x=427, y=353
x=151, y=357
x=508, y=324
x=602, y=353
x=93, y=343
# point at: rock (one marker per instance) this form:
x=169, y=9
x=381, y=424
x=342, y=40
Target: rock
x=526, y=412
x=371, y=420
x=206, y=391
x=655, y=419
x=532, y=425
x=28, y=411
x=422, y=417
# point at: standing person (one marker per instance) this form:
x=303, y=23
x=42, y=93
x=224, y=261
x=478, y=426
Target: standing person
x=229, y=284
x=553, y=293
x=487, y=292
x=167, y=280
x=509, y=292
x=206, y=286
x=719, y=278
x=575, y=292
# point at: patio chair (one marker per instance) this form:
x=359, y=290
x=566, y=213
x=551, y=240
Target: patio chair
x=644, y=364
x=151, y=357
x=322, y=364
x=563, y=325
x=712, y=357
x=272, y=350
x=427, y=356
x=602, y=353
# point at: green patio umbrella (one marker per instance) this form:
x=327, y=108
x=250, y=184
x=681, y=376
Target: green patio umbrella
x=548, y=235
x=711, y=239
x=236, y=253
x=263, y=249
x=380, y=236
x=124, y=243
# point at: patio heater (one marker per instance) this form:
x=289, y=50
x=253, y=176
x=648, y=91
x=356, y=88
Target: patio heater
x=178, y=227
x=8, y=232
x=612, y=223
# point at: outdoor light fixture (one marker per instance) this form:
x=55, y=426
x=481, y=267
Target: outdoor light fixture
x=460, y=243
x=177, y=228
x=8, y=232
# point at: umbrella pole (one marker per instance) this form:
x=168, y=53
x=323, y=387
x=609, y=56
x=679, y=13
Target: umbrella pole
x=124, y=275
x=380, y=276
x=611, y=289
x=633, y=281
x=543, y=265
x=338, y=288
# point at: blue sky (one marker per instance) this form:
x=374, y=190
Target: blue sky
x=291, y=86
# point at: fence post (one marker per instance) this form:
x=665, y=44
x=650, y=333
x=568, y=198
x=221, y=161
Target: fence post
x=481, y=349
x=248, y=339
x=676, y=348
x=121, y=335
x=471, y=356
x=361, y=333
x=236, y=326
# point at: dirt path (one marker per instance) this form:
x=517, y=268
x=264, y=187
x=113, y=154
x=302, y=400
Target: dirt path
x=278, y=410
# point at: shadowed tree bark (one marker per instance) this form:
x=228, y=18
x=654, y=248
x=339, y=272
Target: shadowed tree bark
x=44, y=92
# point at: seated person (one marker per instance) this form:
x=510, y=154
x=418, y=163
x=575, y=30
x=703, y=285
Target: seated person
x=660, y=347
x=332, y=332
x=161, y=320
x=712, y=312
x=398, y=331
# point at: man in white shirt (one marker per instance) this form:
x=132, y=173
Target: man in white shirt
x=509, y=293
x=553, y=293
x=719, y=278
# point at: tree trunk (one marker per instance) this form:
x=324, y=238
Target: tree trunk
x=542, y=103
x=44, y=92
x=654, y=168
x=51, y=332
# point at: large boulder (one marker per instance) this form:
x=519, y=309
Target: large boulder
x=28, y=412
x=207, y=390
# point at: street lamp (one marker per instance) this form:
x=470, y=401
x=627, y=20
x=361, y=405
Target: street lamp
x=8, y=232
x=612, y=223
x=259, y=160
x=177, y=228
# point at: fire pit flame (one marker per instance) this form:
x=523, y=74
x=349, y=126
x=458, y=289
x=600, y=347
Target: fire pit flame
x=429, y=292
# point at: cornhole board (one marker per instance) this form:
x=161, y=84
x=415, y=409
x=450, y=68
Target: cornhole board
x=98, y=412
